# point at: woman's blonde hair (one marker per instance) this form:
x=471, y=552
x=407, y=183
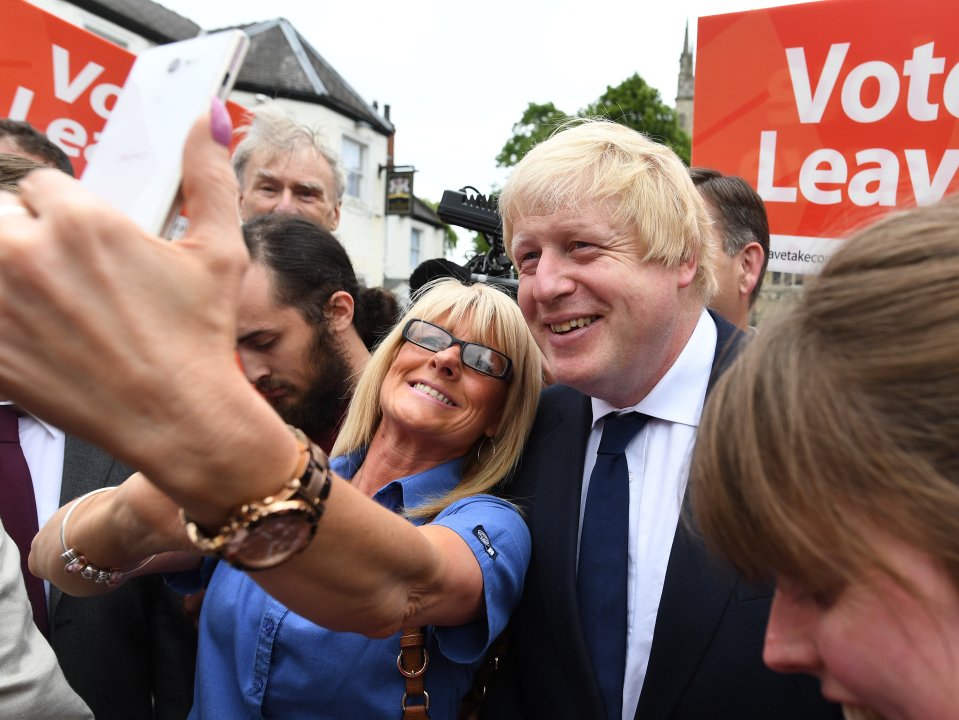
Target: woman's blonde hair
x=642, y=183
x=491, y=318
x=843, y=416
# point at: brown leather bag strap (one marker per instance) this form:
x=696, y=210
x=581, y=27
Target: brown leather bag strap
x=412, y=662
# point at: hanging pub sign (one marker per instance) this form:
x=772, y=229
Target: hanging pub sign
x=399, y=192
x=835, y=112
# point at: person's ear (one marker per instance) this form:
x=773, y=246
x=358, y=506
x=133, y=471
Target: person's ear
x=750, y=267
x=687, y=272
x=339, y=311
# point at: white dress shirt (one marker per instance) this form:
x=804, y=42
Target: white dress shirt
x=43, y=447
x=659, y=453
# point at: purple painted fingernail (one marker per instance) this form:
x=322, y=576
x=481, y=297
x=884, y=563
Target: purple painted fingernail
x=220, y=124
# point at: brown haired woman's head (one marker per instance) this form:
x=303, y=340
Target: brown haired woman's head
x=844, y=411
x=828, y=457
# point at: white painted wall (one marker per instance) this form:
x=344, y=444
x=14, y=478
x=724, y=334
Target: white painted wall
x=399, y=229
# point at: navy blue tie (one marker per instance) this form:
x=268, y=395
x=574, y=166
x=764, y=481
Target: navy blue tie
x=603, y=547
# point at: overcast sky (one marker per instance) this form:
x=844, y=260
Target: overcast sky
x=457, y=79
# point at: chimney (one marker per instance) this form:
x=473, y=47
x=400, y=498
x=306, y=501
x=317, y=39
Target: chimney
x=389, y=140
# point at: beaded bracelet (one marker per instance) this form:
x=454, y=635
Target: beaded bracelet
x=76, y=563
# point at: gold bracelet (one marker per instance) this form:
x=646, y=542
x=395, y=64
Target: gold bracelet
x=74, y=562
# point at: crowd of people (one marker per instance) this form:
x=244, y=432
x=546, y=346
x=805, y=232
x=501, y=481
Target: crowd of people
x=642, y=506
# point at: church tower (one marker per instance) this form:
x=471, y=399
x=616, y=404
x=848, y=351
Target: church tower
x=684, y=91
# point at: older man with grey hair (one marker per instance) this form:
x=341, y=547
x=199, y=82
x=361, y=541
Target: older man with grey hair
x=284, y=167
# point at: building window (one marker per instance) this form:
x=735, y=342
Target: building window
x=416, y=238
x=785, y=279
x=352, y=158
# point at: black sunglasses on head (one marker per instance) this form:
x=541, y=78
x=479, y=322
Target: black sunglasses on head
x=480, y=358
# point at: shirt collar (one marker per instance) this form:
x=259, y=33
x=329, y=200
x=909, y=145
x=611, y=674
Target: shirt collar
x=413, y=489
x=679, y=395
x=50, y=430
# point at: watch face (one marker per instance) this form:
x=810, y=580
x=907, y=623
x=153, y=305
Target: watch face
x=271, y=540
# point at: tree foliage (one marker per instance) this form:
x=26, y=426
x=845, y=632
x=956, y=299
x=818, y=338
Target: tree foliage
x=537, y=124
x=637, y=105
x=449, y=235
x=633, y=103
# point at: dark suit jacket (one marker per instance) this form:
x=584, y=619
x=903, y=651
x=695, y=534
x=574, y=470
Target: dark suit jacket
x=706, y=657
x=130, y=654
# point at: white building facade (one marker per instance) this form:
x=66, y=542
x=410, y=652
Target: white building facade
x=283, y=68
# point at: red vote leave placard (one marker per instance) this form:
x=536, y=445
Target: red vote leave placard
x=835, y=111
x=62, y=79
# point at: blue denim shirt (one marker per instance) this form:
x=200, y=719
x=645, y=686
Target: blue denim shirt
x=257, y=659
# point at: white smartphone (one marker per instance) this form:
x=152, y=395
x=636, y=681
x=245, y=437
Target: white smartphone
x=137, y=165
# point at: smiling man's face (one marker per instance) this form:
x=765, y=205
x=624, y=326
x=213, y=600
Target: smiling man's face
x=605, y=319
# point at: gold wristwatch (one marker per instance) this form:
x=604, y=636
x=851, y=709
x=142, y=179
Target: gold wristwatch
x=267, y=533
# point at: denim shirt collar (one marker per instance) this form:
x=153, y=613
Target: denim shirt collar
x=406, y=492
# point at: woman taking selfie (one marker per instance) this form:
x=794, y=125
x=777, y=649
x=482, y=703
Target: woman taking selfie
x=438, y=418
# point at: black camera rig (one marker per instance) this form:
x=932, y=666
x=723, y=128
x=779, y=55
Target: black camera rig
x=468, y=208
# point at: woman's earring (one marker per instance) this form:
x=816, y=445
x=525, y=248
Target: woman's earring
x=479, y=448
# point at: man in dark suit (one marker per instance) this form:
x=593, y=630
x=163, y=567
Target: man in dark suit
x=130, y=653
x=615, y=258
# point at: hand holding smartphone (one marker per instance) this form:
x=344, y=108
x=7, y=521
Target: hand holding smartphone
x=137, y=163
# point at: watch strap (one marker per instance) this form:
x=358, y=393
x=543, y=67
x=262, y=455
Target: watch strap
x=311, y=484
x=315, y=480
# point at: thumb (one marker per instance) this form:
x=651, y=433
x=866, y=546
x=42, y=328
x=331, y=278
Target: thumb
x=209, y=185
